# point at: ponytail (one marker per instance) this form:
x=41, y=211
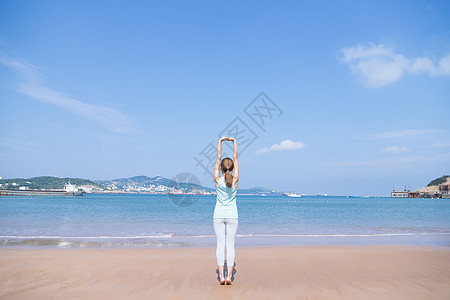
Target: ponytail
x=227, y=166
x=228, y=178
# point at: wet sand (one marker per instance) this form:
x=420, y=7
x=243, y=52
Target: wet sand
x=312, y=272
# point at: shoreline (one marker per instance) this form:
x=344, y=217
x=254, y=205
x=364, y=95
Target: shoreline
x=209, y=241
x=294, y=272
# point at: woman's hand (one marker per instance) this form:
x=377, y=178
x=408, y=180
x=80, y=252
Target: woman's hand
x=226, y=138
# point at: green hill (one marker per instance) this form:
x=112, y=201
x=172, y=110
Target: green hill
x=439, y=180
x=44, y=182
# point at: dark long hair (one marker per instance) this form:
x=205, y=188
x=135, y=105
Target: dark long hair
x=227, y=165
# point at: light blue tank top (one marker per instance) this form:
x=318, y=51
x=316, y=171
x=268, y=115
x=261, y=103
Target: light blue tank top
x=226, y=200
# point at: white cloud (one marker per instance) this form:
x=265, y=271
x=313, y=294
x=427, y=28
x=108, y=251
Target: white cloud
x=394, y=150
x=401, y=133
x=425, y=64
x=379, y=65
x=32, y=84
x=284, y=145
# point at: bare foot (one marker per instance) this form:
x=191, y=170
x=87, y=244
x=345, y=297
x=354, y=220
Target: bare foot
x=229, y=281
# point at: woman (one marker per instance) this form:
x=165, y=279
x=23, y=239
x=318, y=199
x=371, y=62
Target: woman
x=225, y=212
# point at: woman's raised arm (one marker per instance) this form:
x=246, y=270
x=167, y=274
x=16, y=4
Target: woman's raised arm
x=217, y=166
x=236, y=162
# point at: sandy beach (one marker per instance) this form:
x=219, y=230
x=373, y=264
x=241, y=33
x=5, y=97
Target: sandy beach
x=312, y=272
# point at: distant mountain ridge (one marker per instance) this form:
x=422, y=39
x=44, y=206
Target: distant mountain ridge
x=160, y=184
x=439, y=181
x=147, y=184
x=138, y=181
x=44, y=182
x=135, y=184
x=434, y=185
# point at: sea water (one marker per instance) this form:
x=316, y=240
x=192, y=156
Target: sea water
x=107, y=220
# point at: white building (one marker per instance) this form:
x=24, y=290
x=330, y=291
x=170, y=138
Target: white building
x=396, y=194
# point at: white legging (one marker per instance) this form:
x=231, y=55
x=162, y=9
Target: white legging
x=219, y=228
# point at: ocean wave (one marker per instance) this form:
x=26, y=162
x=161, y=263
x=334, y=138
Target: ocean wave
x=344, y=235
x=166, y=236
x=84, y=237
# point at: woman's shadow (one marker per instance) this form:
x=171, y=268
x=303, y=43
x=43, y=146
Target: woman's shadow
x=225, y=272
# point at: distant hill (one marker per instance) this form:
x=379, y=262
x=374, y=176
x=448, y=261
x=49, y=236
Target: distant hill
x=136, y=184
x=161, y=184
x=45, y=182
x=143, y=181
x=433, y=186
x=149, y=184
x=439, y=180
x=258, y=191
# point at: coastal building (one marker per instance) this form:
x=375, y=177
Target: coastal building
x=415, y=195
x=397, y=194
x=406, y=194
x=442, y=193
x=444, y=188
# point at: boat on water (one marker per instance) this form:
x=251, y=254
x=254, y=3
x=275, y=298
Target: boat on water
x=322, y=194
x=292, y=194
x=69, y=190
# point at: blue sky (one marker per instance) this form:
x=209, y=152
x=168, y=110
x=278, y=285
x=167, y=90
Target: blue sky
x=108, y=89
